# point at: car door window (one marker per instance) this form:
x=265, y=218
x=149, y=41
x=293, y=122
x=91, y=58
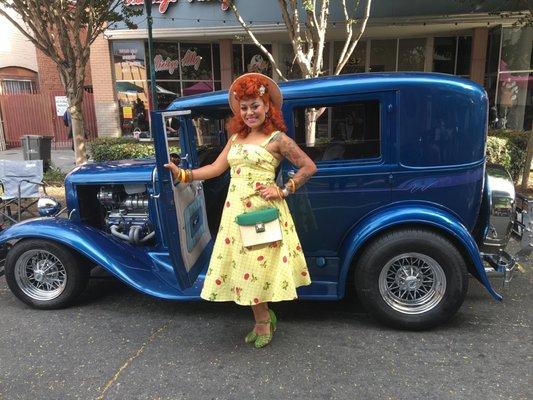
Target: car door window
x=348, y=131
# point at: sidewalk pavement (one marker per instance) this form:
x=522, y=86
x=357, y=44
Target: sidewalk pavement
x=62, y=159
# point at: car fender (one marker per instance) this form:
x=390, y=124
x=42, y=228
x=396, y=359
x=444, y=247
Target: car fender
x=130, y=264
x=412, y=213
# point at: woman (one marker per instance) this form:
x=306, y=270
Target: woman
x=257, y=274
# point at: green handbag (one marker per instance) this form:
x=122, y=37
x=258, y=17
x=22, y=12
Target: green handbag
x=259, y=226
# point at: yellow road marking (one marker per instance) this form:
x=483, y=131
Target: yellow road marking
x=129, y=360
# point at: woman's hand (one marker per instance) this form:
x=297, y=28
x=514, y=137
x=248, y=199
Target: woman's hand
x=270, y=192
x=174, y=169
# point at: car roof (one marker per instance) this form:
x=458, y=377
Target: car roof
x=340, y=85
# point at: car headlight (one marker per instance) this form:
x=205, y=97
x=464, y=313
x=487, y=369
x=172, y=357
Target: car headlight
x=48, y=206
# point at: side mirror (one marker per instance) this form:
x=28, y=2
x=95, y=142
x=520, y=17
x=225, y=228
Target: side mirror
x=48, y=206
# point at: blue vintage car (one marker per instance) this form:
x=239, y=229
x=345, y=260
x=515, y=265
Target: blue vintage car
x=403, y=206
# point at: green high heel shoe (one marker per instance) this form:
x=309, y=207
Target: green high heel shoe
x=263, y=340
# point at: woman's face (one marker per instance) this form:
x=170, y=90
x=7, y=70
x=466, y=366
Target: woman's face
x=253, y=112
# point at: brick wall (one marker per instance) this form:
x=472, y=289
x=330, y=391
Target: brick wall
x=49, y=79
x=105, y=102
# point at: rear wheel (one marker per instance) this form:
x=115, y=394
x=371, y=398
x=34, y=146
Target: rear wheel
x=411, y=279
x=45, y=274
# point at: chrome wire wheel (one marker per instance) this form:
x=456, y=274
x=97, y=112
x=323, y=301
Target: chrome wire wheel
x=412, y=283
x=40, y=275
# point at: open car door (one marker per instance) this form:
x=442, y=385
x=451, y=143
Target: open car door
x=181, y=208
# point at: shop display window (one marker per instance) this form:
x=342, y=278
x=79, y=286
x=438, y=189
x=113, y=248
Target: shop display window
x=514, y=97
x=356, y=62
x=464, y=54
x=411, y=54
x=444, y=55
x=383, y=55
x=451, y=55
x=249, y=58
x=196, y=62
x=166, y=61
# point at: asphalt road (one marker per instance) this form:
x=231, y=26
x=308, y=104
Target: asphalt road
x=118, y=344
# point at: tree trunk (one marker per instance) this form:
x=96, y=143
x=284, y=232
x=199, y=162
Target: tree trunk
x=311, y=116
x=527, y=165
x=78, y=134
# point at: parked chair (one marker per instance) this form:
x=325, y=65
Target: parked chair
x=21, y=183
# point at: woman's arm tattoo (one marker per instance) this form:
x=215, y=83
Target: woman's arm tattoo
x=290, y=150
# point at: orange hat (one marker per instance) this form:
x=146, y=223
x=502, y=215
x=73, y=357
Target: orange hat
x=268, y=86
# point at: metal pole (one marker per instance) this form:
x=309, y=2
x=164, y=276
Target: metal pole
x=153, y=91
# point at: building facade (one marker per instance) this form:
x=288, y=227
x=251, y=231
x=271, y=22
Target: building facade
x=200, y=47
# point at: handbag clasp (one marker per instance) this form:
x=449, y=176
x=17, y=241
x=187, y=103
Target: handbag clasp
x=260, y=227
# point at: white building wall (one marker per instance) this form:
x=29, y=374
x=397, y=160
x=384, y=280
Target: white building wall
x=15, y=49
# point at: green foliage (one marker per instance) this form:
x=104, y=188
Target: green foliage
x=54, y=176
x=108, y=149
x=508, y=148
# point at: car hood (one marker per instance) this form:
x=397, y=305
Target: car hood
x=113, y=172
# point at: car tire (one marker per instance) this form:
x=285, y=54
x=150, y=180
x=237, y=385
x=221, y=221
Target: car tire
x=45, y=274
x=411, y=279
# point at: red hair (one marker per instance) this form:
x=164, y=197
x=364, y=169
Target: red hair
x=248, y=88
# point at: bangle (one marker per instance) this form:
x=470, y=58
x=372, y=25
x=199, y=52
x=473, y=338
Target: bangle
x=291, y=185
x=189, y=175
x=182, y=175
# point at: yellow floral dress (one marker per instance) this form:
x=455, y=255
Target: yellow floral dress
x=262, y=273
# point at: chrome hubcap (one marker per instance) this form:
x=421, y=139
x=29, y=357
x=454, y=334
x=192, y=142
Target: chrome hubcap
x=40, y=275
x=412, y=283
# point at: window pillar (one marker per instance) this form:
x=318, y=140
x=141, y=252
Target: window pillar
x=226, y=54
x=479, y=54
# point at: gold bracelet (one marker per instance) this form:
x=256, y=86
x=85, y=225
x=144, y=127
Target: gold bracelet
x=291, y=185
x=187, y=175
x=280, y=193
x=182, y=175
x=190, y=176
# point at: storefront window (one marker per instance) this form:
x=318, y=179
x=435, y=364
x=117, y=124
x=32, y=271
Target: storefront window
x=131, y=85
x=196, y=62
x=383, y=55
x=288, y=64
x=356, y=62
x=516, y=49
x=444, y=55
x=249, y=58
x=167, y=92
x=451, y=55
x=515, y=80
x=514, y=101
x=411, y=54
x=166, y=61
x=464, y=54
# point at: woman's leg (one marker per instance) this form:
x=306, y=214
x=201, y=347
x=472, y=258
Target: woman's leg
x=261, y=314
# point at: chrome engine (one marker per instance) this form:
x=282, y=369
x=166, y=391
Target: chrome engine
x=127, y=212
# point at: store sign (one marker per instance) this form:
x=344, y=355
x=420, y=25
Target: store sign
x=164, y=4
x=190, y=59
x=165, y=65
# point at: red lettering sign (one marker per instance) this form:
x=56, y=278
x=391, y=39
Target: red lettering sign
x=165, y=65
x=191, y=59
x=163, y=4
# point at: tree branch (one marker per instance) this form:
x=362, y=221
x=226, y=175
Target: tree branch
x=257, y=43
x=361, y=25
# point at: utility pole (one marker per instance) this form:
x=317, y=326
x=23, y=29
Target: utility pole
x=153, y=91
